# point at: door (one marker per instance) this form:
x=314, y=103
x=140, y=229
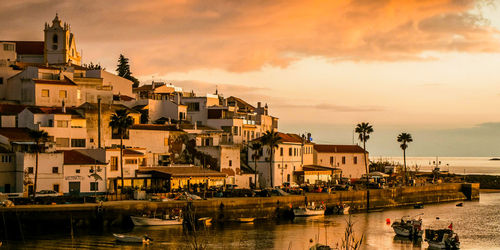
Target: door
x=7, y=188
x=74, y=188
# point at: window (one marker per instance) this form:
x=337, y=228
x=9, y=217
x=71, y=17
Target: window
x=355, y=160
x=1, y=80
x=55, y=170
x=114, y=163
x=6, y=158
x=235, y=130
x=130, y=161
x=62, y=124
x=290, y=151
x=8, y=47
x=343, y=159
x=63, y=94
x=165, y=141
x=193, y=106
x=94, y=186
x=77, y=171
x=281, y=151
x=78, y=143
x=331, y=160
x=30, y=170
x=54, y=38
x=55, y=187
x=294, y=152
x=62, y=142
x=45, y=93
x=230, y=163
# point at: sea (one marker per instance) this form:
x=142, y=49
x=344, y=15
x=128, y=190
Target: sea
x=476, y=222
x=457, y=165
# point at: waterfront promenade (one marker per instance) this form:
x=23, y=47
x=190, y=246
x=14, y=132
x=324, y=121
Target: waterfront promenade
x=117, y=213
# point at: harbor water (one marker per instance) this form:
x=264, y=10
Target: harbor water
x=476, y=223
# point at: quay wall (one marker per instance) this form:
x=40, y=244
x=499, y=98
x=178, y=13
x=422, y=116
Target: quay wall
x=117, y=213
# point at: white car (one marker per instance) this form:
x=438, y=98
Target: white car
x=45, y=193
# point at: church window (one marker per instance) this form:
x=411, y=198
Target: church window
x=54, y=38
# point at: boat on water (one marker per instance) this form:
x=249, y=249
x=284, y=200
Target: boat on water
x=245, y=219
x=151, y=221
x=124, y=238
x=408, y=227
x=205, y=221
x=418, y=206
x=442, y=239
x=310, y=210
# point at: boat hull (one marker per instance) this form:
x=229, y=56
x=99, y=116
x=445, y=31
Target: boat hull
x=145, y=221
x=245, y=220
x=128, y=238
x=304, y=212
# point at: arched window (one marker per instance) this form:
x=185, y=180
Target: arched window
x=54, y=38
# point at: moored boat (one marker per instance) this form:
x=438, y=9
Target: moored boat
x=442, y=238
x=408, y=227
x=132, y=238
x=147, y=221
x=245, y=219
x=310, y=210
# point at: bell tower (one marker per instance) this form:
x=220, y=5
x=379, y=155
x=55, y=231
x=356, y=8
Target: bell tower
x=60, y=47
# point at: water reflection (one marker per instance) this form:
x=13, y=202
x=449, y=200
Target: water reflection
x=476, y=223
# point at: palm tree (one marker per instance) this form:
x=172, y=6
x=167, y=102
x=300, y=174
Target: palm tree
x=120, y=123
x=271, y=139
x=38, y=136
x=256, y=148
x=404, y=138
x=364, y=130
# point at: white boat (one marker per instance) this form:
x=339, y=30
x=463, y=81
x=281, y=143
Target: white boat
x=310, y=210
x=346, y=209
x=147, y=221
x=245, y=219
x=132, y=238
x=442, y=239
x=408, y=227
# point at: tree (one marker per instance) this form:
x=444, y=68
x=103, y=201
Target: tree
x=404, y=139
x=256, y=148
x=271, y=139
x=364, y=130
x=123, y=70
x=120, y=123
x=38, y=136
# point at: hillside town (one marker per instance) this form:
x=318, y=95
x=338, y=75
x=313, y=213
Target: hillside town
x=77, y=130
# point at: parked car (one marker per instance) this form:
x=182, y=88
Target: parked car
x=46, y=193
x=290, y=185
x=271, y=192
x=239, y=192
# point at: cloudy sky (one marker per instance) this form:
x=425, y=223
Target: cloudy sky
x=428, y=67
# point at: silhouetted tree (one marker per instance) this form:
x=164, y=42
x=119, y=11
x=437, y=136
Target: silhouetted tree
x=364, y=130
x=404, y=138
x=271, y=139
x=120, y=122
x=38, y=136
x=123, y=70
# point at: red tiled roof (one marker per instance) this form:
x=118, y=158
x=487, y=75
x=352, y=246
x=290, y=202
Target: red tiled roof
x=184, y=171
x=11, y=109
x=16, y=134
x=338, y=148
x=73, y=157
x=129, y=152
x=30, y=47
x=66, y=81
x=286, y=137
x=124, y=98
x=155, y=127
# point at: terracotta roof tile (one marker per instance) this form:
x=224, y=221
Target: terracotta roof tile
x=11, y=109
x=155, y=127
x=29, y=47
x=73, y=157
x=322, y=148
x=16, y=134
x=66, y=81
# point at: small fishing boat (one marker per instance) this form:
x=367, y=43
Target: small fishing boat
x=461, y=204
x=408, y=227
x=310, y=210
x=442, y=238
x=418, y=206
x=148, y=221
x=132, y=238
x=205, y=220
x=245, y=219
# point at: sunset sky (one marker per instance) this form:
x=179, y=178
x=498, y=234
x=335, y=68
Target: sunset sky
x=427, y=67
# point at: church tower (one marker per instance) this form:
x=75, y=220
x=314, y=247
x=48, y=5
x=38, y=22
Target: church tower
x=60, y=47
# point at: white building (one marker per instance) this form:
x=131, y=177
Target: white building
x=349, y=158
x=83, y=174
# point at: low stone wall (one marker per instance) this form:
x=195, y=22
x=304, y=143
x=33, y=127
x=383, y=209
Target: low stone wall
x=117, y=213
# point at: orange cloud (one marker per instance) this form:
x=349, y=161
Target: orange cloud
x=182, y=35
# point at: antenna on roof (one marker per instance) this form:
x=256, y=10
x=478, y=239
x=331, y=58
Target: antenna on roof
x=216, y=90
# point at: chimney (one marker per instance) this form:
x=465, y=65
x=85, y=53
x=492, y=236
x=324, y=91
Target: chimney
x=258, y=105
